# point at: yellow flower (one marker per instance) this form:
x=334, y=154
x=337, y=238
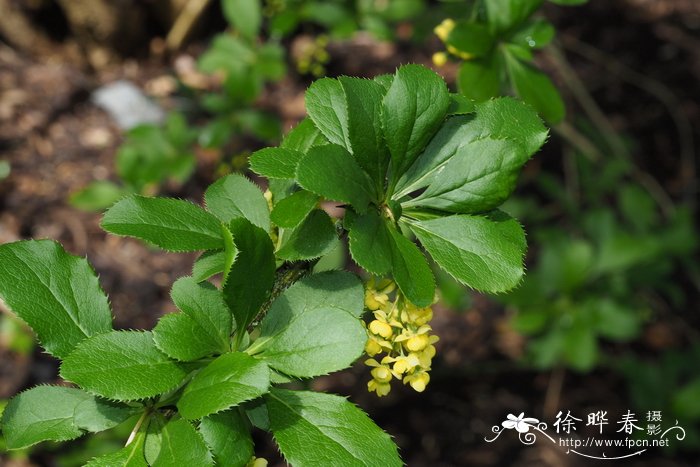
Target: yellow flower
x=417, y=343
x=439, y=58
x=444, y=29
x=382, y=389
x=381, y=328
x=404, y=363
x=417, y=316
x=418, y=381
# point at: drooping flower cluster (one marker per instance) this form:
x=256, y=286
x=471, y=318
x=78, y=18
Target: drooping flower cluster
x=401, y=333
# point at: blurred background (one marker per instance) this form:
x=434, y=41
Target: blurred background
x=100, y=98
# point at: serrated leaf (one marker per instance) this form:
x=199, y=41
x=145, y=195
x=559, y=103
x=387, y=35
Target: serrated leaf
x=182, y=445
x=371, y=244
x=535, y=88
x=328, y=109
x=479, y=79
x=228, y=438
x=414, y=108
x=331, y=171
x=122, y=365
x=314, y=237
x=171, y=224
x=234, y=196
x=65, y=294
x=364, y=101
x=42, y=413
x=256, y=259
x=291, y=211
x=340, y=433
x=485, y=253
x=96, y=414
x=205, y=305
x=210, y=263
x=131, y=455
x=411, y=270
x=180, y=338
x=229, y=380
x=313, y=327
x=478, y=178
x=502, y=118
x=275, y=162
x=303, y=137
x=244, y=15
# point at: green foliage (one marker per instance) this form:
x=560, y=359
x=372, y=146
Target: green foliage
x=412, y=140
x=496, y=50
x=113, y=365
x=172, y=224
x=65, y=292
x=337, y=429
x=206, y=374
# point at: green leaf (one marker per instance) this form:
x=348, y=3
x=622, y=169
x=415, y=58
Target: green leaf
x=228, y=438
x=95, y=414
x=314, y=237
x=129, y=456
x=506, y=14
x=480, y=79
x=411, y=270
x=413, y=110
x=182, y=445
x=535, y=88
x=210, y=263
x=478, y=178
x=335, y=428
x=235, y=196
x=303, y=137
x=204, y=304
x=472, y=39
x=327, y=106
x=313, y=327
x=371, y=243
x=580, y=348
x=534, y=34
x=275, y=162
x=255, y=260
x=229, y=380
x=615, y=321
x=122, y=365
x=291, y=211
x=51, y=290
x=97, y=196
x=331, y=171
x=244, y=15
x=364, y=103
x=502, y=118
x=180, y=338
x=485, y=253
x=172, y=224
x=41, y=413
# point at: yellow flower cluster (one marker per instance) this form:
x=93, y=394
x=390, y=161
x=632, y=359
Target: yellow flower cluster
x=443, y=31
x=400, y=330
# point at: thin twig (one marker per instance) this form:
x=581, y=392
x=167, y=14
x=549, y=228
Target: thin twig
x=184, y=23
x=664, y=95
